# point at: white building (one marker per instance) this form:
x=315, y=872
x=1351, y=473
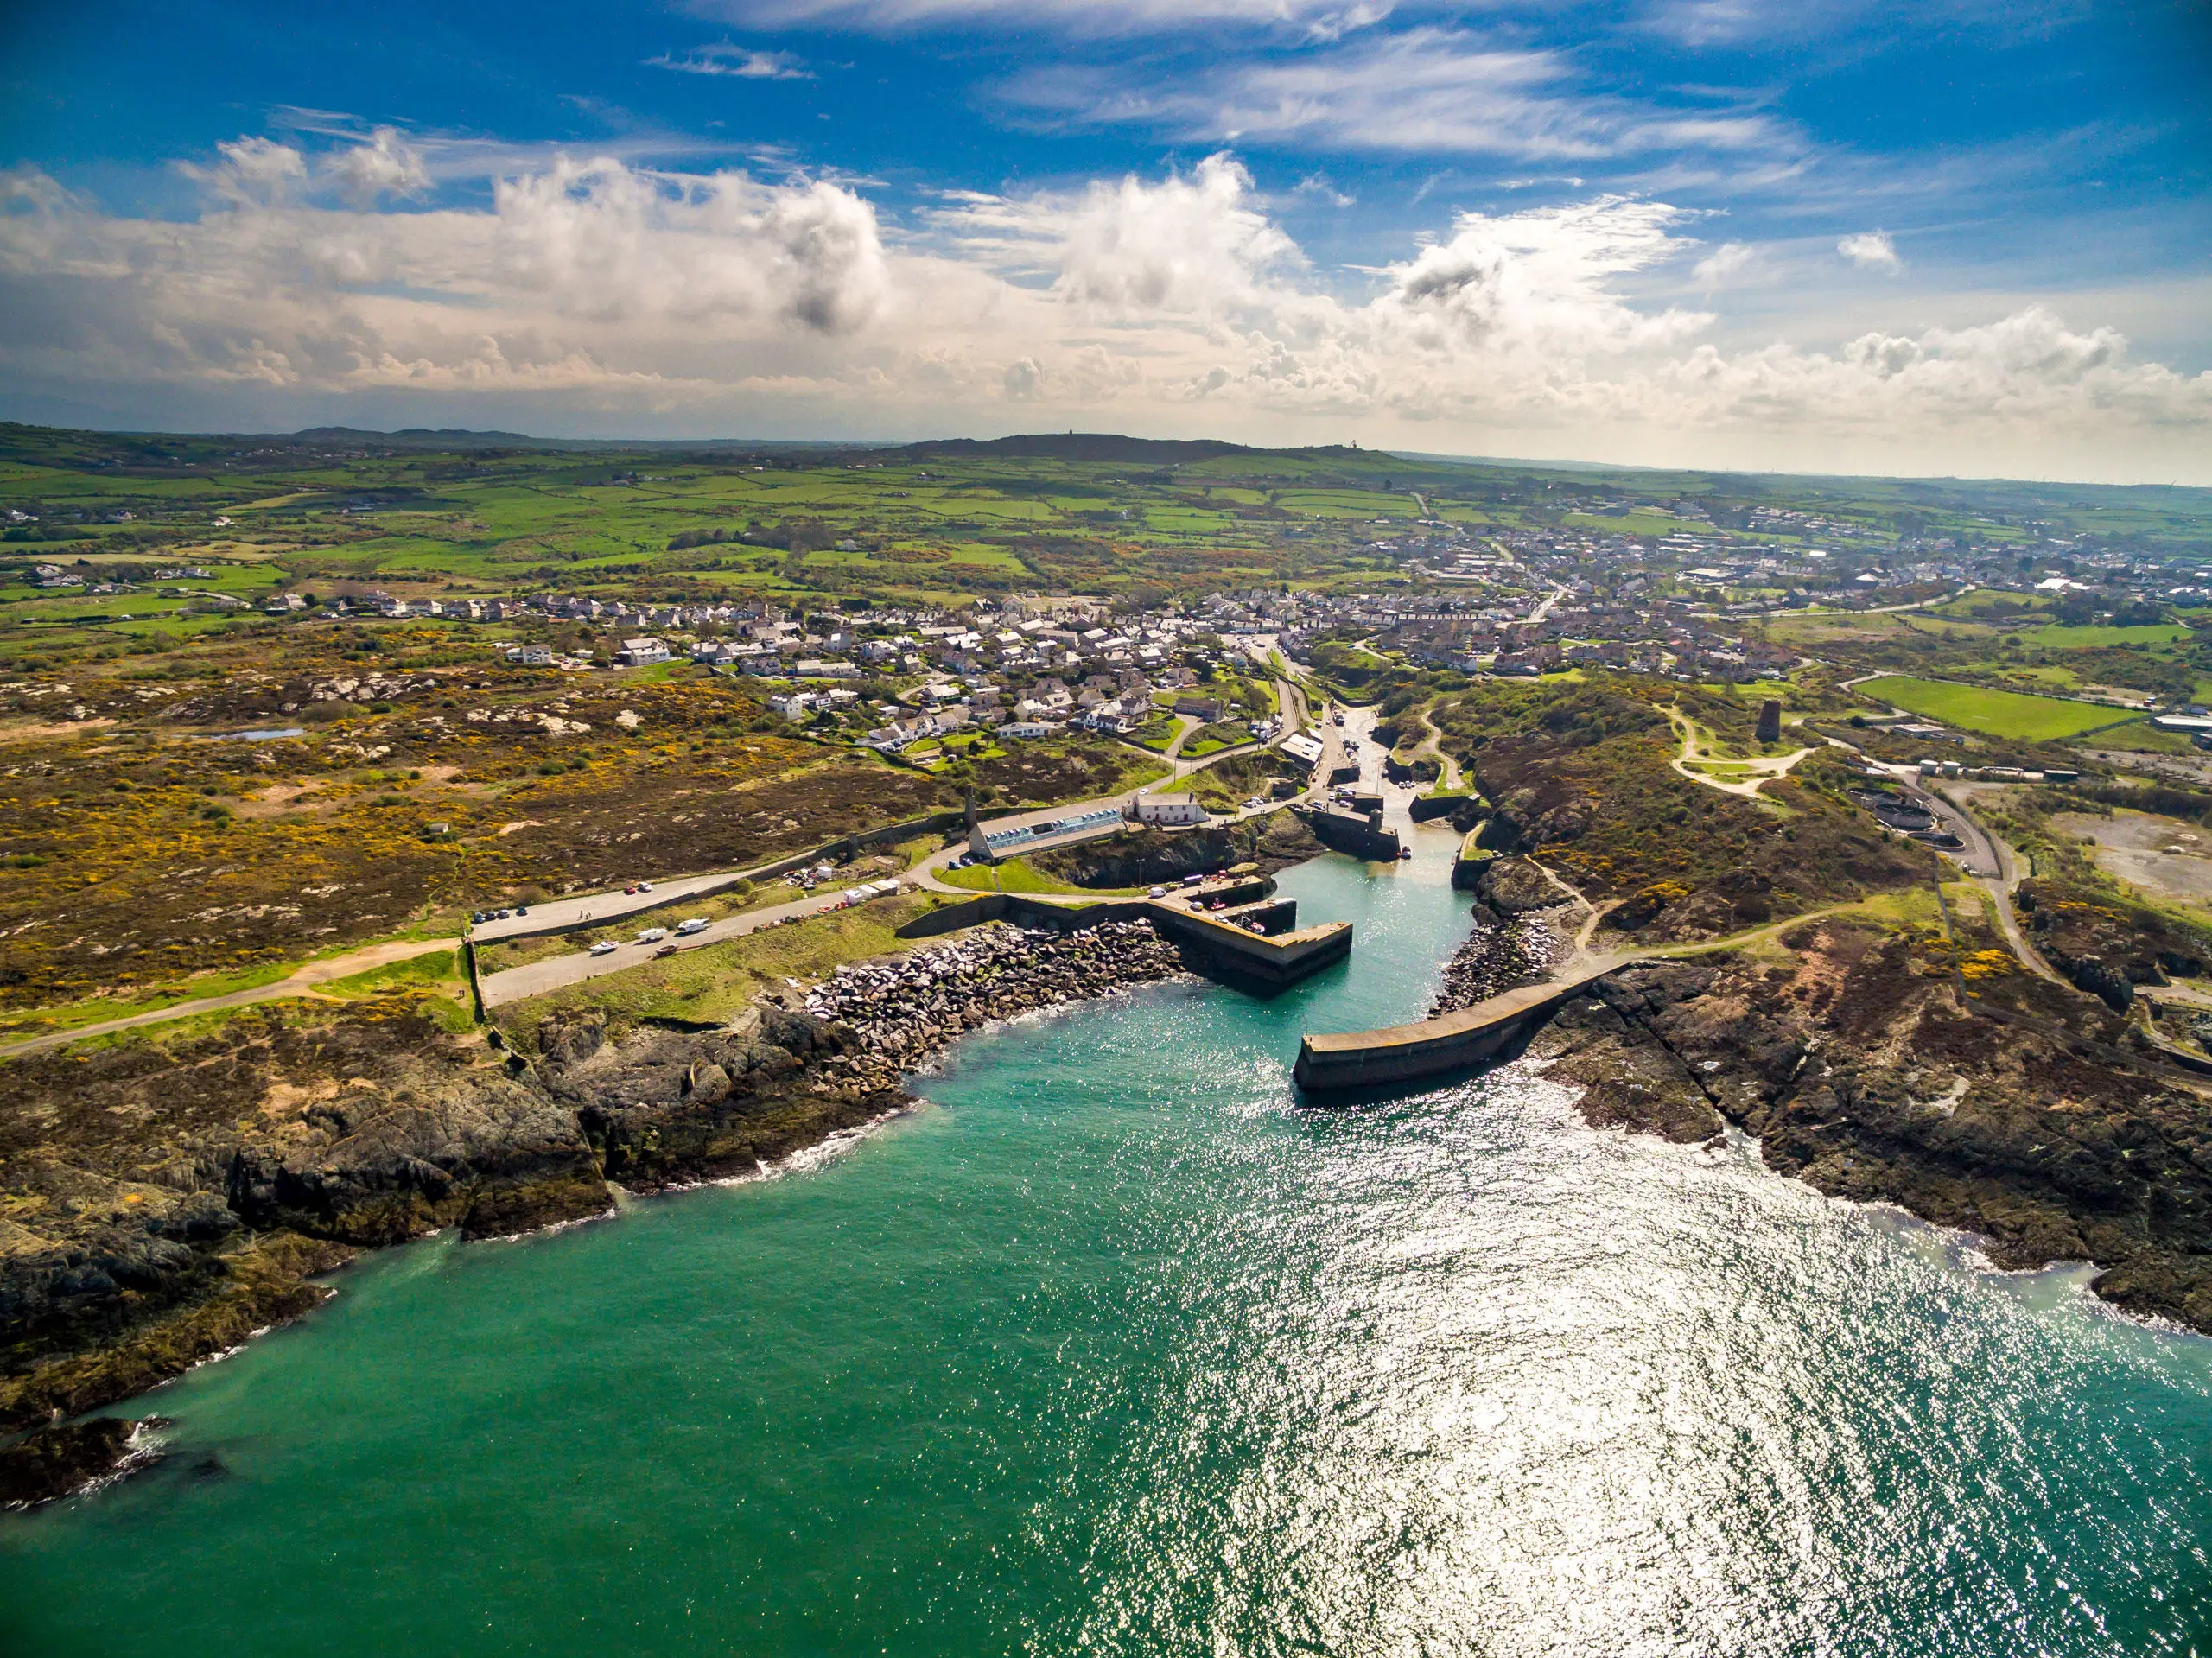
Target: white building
x=1174, y=812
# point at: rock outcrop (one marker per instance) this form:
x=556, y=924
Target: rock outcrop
x=1512, y=941
x=1860, y=1074
x=2106, y=946
x=1149, y=856
x=67, y=1456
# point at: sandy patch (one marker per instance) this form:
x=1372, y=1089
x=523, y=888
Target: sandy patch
x=2163, y=856
x=34, y=733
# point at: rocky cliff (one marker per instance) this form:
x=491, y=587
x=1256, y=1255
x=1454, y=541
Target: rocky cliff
x=168, y=1198
x=1861, y=1073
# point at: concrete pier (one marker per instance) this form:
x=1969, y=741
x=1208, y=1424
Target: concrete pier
x=1347, y=1061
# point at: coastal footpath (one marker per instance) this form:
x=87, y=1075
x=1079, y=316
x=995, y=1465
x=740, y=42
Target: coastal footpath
x=198, y=1188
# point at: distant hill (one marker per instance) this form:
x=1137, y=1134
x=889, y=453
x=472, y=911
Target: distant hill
x=418, y=437
x=451, y=438
x=1075, y=445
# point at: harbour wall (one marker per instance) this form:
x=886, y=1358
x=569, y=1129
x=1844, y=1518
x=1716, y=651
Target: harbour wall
x=1350, y=1061
x=1361, y=836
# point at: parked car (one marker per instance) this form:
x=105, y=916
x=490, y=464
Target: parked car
x=605, y=947
x=685, y=929
x=1157, y=891
x=652, y=934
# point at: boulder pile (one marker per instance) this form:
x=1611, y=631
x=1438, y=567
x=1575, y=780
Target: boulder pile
x=905, y=1012
x=1501, y=954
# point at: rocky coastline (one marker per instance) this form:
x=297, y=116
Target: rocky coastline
x=301, y=1148
x=1862, y=1073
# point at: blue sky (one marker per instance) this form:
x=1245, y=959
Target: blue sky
x=1926, y=237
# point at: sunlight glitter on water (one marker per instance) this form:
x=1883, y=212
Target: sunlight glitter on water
x=1113, y=1348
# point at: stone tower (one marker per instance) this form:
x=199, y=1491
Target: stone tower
x=1770, y=721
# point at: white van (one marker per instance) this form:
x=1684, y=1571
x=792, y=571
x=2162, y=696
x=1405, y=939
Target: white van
x=652, y=934
x=685, y=929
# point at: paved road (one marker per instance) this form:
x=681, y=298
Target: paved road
x=1995, y=870
x=300, y=984
x=607, y=909
x=536, y=978
x=1545, y=608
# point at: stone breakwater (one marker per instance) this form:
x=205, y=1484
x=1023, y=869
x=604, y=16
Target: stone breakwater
x=1502, y=953
x=905, y=1013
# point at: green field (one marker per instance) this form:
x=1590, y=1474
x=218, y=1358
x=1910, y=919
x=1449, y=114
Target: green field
x=2058, y=638
x=1998, y=713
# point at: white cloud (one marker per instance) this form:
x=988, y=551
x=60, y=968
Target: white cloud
x=1427, y=90
x=1538, y=284
x=596, y=293
x=253, y=171
x=386, y=165
x=1724, y=265
x=1188, y=245
x=1317, y=185
x=1871, y=251
x=1315, y=19
x=744, y=62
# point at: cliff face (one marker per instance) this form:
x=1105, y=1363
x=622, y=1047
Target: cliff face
x=1859, y=1074
x=167, y=1200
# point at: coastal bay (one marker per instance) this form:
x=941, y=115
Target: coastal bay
x=1111, y=1344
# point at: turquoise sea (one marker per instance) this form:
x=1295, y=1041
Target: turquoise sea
x=1111, y=1349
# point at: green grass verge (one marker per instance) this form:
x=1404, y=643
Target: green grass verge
x=1020, y=875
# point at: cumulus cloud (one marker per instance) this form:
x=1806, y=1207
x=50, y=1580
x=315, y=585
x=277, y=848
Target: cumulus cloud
x=744, y=62
x=1871, y=251
x=386, y=165
x=704, y=301
x=1195, y=244
x=252, y=171
x=1539, y=282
